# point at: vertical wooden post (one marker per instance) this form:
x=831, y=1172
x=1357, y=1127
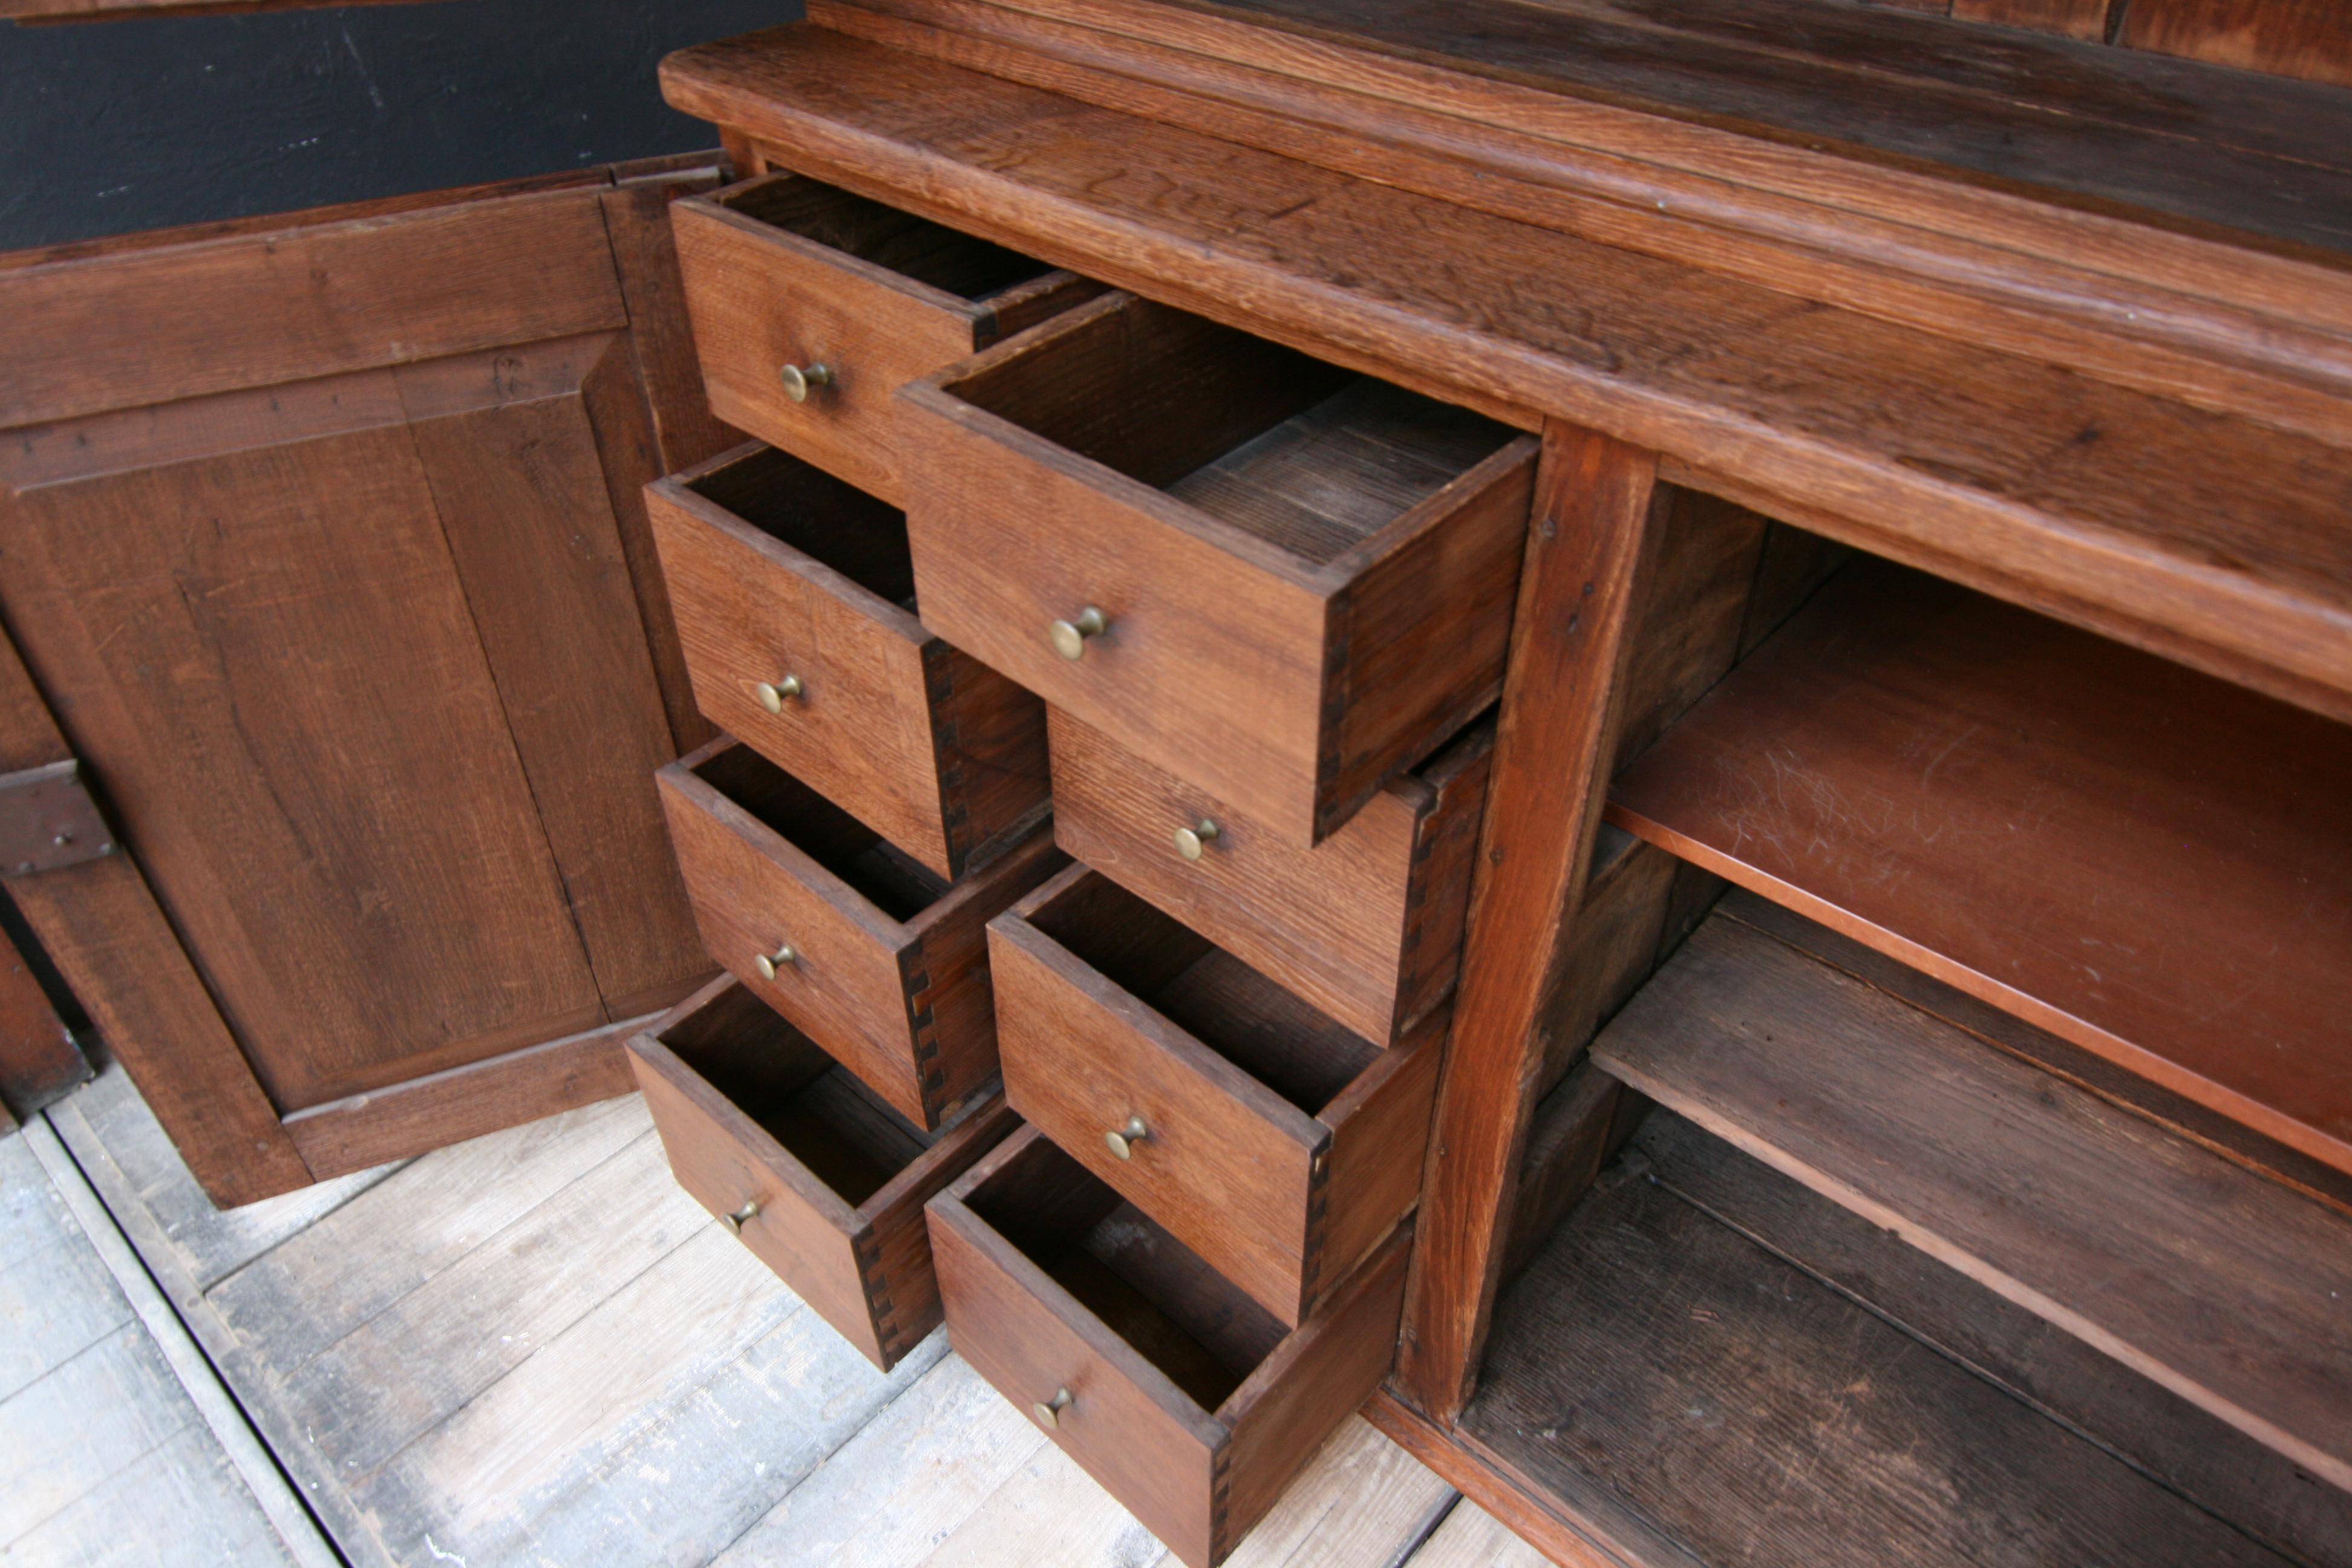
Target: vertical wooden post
x=1585, y=544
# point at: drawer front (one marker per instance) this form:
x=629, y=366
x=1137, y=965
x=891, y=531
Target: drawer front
x=1328, y=923
x=1022, y=1333
x=749, y=610
x=1210, y=665
x=801, y=1229
x=753, y=892
x=1229, y=1167
x=761, y=300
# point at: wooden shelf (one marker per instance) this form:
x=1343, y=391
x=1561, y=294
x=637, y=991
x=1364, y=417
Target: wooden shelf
x=2148, y=863
x=2212, y=1279
x=1711, y=1365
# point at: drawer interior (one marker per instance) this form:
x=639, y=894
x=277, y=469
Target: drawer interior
x=1303, y=454
x=916, y=248
x=894, y=883
x=1150, y=1288
x=826, y=519
x=1286, y=1043
x=816, y=1109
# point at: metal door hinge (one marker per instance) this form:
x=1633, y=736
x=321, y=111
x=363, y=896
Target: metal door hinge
x=48, y=821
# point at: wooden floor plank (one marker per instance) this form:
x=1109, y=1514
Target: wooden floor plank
x=1668, y=1376
x=73, y=1430
x=902, y=1485
x=208, y=1243
x=379, y=1245
x=1473, y=1538
x=2223, y=1286
x=654, y=1430
x=179, y=1506
x=1362, y=1502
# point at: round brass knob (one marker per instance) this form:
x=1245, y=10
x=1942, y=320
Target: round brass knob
x=1121, y=1140
x=744, y=1216
x=798, y=379
x=1049, y=1411
x=1069, y=637
x=773, y=694
x=767, y=963
x=1190, y=841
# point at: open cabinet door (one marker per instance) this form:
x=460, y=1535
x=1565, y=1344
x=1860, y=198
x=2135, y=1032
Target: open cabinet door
x=323, y=558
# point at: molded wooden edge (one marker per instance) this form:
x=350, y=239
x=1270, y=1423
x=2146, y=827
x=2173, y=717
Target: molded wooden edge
x=717, y=207
x=461, y=1102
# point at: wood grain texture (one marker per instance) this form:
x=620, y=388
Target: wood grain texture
x=781, y=271
x=2085, y=19
x=891, y=971
x=751, y=1112
x=2204, y=1276
x=1816, y=413
x=1193, y=1428
x=1367, y=925
x=434, y=1110
x=39, y=1059
x=1689, y=1393
x=2178, y=314
x=776, y=568
x=1287, y=658
x=1280, y=1147
x=1589, y=535
x=2137, y=858
x=2283, y=38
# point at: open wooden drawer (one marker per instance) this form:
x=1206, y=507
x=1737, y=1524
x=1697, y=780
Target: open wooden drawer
x=1187, y=1401
x=882, y=962
x=1278, y=1144
x=1280, y=581
x=795, y=604
x=816, y=1175
x=1367, y=925
x=811, y=305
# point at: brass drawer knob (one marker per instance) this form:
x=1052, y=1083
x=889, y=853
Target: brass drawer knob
x=1121, y=1140
x=744, y=1216
x=1049, y=1411
x=773, y=694
x=799, y=378
x=1190, y=841
x=768, y=964
x=1069, y=637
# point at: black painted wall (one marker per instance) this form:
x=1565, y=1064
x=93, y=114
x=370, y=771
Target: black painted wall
x=107, y=127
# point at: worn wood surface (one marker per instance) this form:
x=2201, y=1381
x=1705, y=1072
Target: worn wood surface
x=2181, y=314
x=2275, y=35
x=2137, y=858
x=778, y=569
x=1588, y=536
x=1693, y=1394
x=1931, y=450
x=1304, y=578
x=889, y=971
x=2209, y=1278
x=39, y=1059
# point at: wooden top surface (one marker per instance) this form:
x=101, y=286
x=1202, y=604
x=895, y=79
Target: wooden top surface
x=2139, y=859
x=2211, y=539
x=2073, y=120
